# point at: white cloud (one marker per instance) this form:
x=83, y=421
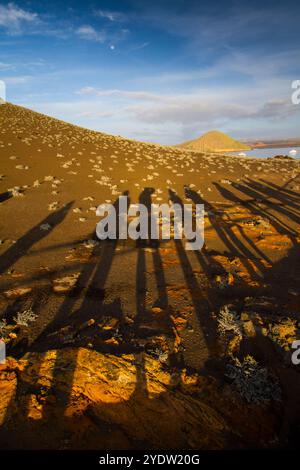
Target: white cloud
x=176, y=117
x=18, y=80
x=200, y=105
x=185, y=114
x=277, y=109
x=139, y=47
x=194, y=110
x=137, y=95
x=4, y=66
x=86, y=90
x=89, y=33
x=94, y=114
x=110, y=15
x=12, y=18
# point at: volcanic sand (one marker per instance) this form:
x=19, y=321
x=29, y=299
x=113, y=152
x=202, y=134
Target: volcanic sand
x=125, y=348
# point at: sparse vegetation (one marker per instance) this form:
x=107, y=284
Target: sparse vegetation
x=229, y=322
x=25, y=318
x=252, y=381
x=131, y=331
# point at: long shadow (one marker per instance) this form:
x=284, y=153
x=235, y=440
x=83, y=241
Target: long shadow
x=258, y=194
x=273, y=190
x=5, y=196
x=141, y=286
x=199, y=300
x=90, y=287
x=24, y=281
x=92, y=283
x=234, y=246
x=283, y=276
x=275, y=220
x=142, y=315
x=289, y=192
x=270, y=192
x=230, y=196
x=119, y=418
x=22, y=246
x=141, y=244
x=83, y=302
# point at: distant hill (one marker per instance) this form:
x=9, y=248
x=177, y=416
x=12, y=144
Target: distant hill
x=214, y=141
x=275, y=143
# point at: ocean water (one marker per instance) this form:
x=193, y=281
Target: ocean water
x=269, y=152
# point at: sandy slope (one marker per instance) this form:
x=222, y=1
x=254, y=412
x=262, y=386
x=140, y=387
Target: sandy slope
x=146, y=302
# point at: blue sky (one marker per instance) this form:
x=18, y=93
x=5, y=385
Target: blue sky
x=162, y=71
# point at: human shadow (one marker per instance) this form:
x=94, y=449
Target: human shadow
x=270, y=191
x=69, y=325
x=273, y=212
x=86, y=300
x=5, y=196
x=141, y=407
x=34, y=235
x=234, y=246
x=283, y=189
x=230, y=196
x=144, y=323
x=200, y=302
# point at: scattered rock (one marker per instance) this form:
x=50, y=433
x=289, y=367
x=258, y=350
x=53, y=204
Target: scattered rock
x=65, y=284
x=17, y=292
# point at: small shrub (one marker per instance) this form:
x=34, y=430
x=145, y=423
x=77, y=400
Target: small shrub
x=252, y=381
x=25, y=318
x=229, y=322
